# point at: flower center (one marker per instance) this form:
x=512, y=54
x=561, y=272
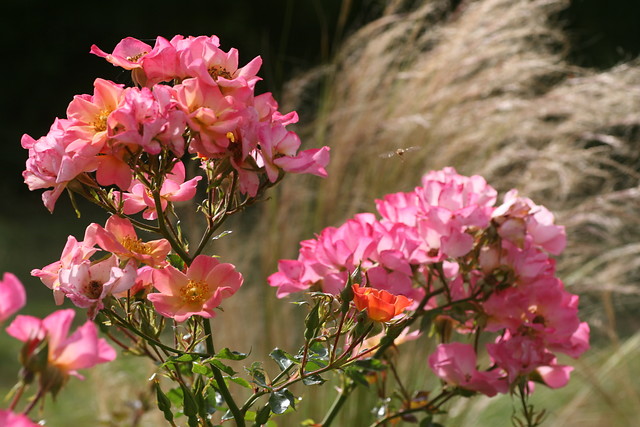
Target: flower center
x=100, y=124
x=135, y=58
x=93, y=289
x=217, y=71
x=195, y=292
x=135, y=245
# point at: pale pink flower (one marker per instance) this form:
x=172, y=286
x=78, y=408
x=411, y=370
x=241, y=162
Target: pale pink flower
x=313, y=161
x=455, y=363
x=120, y=238
x=289, y=278
x=174, y=189
x=74, y=252
x=212, y=116
x=554, y=375
x=197, y=292
x=150, y=119
x=90, y=114
x=52, y=164
x=399, y=208
x=214, y=66
x=9, y=419
x=87, y=284
x=12, y=296
x=448, y=205
x=519, y=355
x=127, y=53
x=143, y=283
x=519, y=215
x=82, y=350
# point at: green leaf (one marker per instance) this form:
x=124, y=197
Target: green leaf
x=225, y=353
x=313, y=380
x=312, y=322
x=278, y=402
x=176, y=261
x=164, y=403
x=199, y=368
x=241, y=381
x=190, y=406
x=314, y=364
x=318, y=349
x=224, y=368
x=371, y=364
x=186, y=357
x=356, y=375
x=263, y=415
x=176, y=396
x=257, y=373
x=282, y=358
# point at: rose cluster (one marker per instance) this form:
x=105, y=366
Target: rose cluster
x=446, y=245
x=134, y=268
x=190, y=97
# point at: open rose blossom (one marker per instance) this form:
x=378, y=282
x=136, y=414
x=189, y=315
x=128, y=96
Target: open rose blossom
x=12, y=296
x=197, y=292
x=381, y=306
x=120, y=238
x=81, y=350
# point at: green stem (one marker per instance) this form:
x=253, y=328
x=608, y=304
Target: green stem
x=337, y=404
x=177, y=247
x=217, y=374
x=146, y=337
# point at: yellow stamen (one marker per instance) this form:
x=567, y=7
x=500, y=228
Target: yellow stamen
x=217, y=71
x=135, y=58
x=100, y=124
x=195, y=292
x=136, y=245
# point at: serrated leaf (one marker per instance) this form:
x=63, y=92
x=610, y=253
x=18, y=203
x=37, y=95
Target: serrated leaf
x=164, y=403
x=282, y=358
x=225, y=353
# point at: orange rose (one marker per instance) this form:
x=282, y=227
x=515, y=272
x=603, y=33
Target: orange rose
x=381, y=305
